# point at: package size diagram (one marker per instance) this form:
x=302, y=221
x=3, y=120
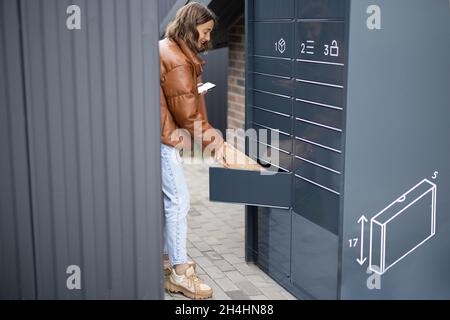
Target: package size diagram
x=402, y=227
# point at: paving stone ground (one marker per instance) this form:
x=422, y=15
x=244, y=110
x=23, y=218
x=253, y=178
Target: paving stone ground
x=216, y=243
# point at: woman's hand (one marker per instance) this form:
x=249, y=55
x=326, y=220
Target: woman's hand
x=220, y=155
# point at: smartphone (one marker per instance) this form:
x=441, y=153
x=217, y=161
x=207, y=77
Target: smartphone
x=205, y=87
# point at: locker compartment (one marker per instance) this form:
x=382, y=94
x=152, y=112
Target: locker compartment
x=318, y=114
x=269, y=9
x=274, y=240
x=273, y=39
x=324, y=73
x=319, y=135
x=267, y=155
x=314, y=259
x=272, y=84
x=272, y=120
x=314, y=173
x=319, y=155
x=272, y=102
x=265, y=135
x=317, y=204
x=331, y=96
x=320, y=41
x=250, y=187
x=273, y=66
x=321, y=9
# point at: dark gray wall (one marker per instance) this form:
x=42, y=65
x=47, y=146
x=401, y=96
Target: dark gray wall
x=90, y=108
x=216, y=71
x=396, y=136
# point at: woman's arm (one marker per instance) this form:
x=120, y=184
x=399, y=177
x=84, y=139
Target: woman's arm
x=185, y=104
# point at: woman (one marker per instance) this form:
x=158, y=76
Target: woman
x=182, y=107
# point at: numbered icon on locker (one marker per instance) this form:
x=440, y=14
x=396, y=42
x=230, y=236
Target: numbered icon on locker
x=334, y=49
x=280, y=46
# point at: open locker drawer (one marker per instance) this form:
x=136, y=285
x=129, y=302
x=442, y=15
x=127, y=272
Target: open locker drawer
x=250, y=186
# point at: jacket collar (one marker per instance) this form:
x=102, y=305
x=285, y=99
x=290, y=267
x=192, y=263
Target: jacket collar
x=192, y=56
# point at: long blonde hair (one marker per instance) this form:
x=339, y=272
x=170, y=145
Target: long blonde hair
x=184, y=27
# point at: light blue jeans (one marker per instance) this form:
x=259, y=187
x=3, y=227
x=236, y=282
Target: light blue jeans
x=176, y=205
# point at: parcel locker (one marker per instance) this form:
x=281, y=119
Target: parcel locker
x=357, y=92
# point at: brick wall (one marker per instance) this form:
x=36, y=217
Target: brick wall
x=236, y=76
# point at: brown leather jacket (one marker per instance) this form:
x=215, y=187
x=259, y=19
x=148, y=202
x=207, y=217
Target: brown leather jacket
x=181, y=104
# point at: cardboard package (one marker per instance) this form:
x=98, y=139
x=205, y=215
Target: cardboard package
x=235, y=159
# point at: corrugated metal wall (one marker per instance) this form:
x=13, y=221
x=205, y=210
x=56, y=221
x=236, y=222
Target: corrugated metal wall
x=92, y=115
x=17, y=277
